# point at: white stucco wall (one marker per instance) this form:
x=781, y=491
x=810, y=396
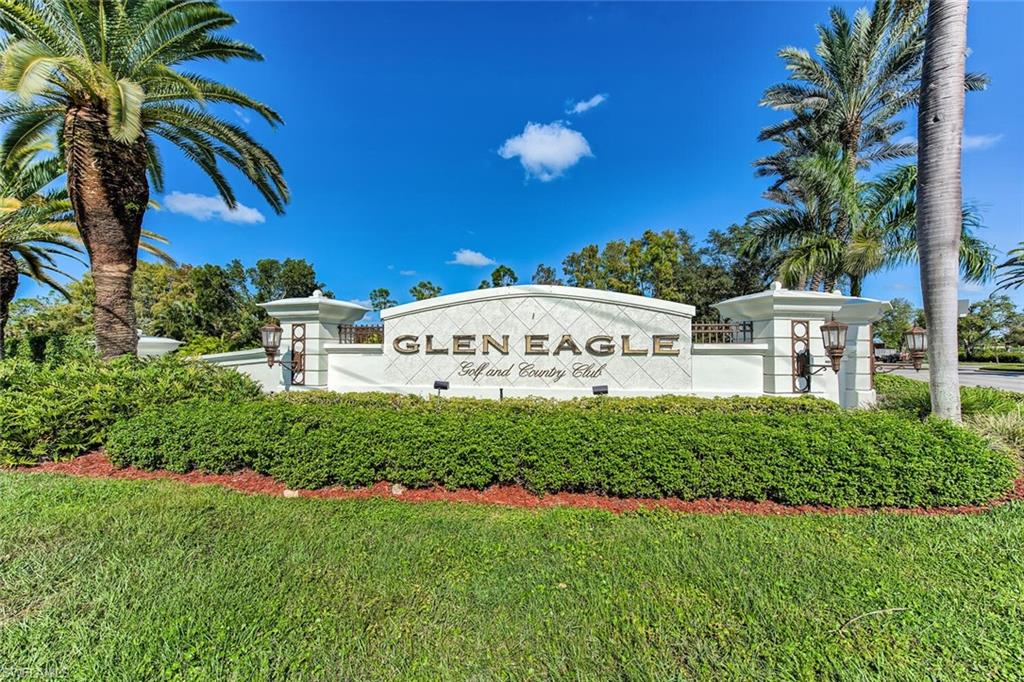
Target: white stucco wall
x=355, y=367
x=251, y=362
x=560, y=363
x=726, y=369
x=561, y=342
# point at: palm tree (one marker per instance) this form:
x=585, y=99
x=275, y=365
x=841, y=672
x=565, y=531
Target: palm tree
x=940, y=124
x=106, y=76
x=37, y=226
x=882, y=230
x=864, y=73
x=1013, y=278
x=844, y=101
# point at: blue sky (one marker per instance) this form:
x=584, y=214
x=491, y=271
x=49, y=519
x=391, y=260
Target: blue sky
x=406, y=133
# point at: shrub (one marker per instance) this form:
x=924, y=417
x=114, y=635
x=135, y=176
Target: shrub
x=911, y=397
x=60, y=411
x=992, y=355
x=625, y=448
x=1003, y=430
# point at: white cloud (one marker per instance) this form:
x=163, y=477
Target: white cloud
x=587, y=104
x=981, y=141
x=202, y=207
x=365, y=302
x=242, y=116
x=470, y=257
x=546, y=150
x=407, y=273
x=970, y=287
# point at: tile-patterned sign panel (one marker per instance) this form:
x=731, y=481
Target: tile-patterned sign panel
x=552, y=342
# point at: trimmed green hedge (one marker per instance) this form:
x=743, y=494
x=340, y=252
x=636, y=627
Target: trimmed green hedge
x=51, y=412
x=912, y=398
x=795, y=454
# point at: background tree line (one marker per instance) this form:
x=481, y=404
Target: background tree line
x=667, y=265
x=212, y=308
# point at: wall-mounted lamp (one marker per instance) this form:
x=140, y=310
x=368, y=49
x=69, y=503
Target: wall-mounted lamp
x=271, y=336
x=833, y=337
x=600, y=390
x=916, y=341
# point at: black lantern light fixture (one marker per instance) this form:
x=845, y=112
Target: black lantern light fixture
x=600, y=390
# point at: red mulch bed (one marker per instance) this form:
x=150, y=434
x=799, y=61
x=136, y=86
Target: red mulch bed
x=96, y=465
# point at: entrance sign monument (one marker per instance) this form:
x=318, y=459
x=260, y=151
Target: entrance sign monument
x=562, y=342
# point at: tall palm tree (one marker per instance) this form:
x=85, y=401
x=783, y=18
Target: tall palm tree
x=37, y=226
x=940, y=124
x=1013, y=277
x=844, y=102
x=106, y=75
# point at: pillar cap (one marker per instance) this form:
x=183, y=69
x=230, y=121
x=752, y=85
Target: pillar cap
x=777, y=302
x=315, y=308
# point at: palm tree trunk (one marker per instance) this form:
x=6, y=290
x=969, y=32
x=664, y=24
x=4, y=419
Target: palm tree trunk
x=108, y=190
x=939, y=129
x=8, y=285
x=856, y=285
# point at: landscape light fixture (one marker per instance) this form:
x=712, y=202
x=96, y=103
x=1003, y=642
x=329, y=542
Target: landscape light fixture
x=440, y=385
x=600, y=390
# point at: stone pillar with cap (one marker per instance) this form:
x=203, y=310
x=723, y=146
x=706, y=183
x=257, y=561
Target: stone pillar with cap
x=307, y=324
x=790, y=321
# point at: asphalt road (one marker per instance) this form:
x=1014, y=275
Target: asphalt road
x=969, y=376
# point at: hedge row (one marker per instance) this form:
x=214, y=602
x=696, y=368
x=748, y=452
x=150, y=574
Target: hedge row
x=51, y=412
x=666, y=404
x=992, y=356
x=830, y=457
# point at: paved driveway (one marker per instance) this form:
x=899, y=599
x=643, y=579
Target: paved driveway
x=969, y=376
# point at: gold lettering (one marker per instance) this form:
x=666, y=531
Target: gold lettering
x=406, y=345
x=535, y=344
x=626, y=350
x=663, y=344
x=434, y=351
x=462, y=344
x=606, y=346
x=568, y=344
x=489, y=342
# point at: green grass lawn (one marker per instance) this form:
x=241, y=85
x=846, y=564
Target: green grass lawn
x=1003, y=366
x=144, y=580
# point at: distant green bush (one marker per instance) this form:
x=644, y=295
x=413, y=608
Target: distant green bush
x=912, y=398
x=990, y=355
x=790, y=451
x=58, y=411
